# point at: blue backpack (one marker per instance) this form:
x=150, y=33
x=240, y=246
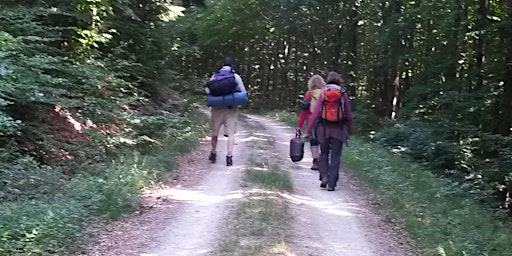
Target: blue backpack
x=223, y=83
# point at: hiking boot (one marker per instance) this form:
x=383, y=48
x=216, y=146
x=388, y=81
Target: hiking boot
x=229, y=160
x=315, y=165
x=323, y=184
x=329, y=188
x=213, y=157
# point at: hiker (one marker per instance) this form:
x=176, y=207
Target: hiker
x=225, y=115
x=331, y=120
x=315, y=85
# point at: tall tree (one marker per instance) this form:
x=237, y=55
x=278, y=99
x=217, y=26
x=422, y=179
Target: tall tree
x=482, y=26
x=388, y=66
x=505, y=126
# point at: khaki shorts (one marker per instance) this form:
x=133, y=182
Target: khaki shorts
x=223, y=116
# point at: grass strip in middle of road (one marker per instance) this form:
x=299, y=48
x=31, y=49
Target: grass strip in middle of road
x=259, y=223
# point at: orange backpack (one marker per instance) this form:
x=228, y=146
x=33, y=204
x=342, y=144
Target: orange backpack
x=332, y=109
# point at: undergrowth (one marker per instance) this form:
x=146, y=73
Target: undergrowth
x=44, y=212
x=437, y=212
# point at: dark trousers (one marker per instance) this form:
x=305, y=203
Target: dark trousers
x=330, y=160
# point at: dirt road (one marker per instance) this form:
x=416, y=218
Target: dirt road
x=185, y=216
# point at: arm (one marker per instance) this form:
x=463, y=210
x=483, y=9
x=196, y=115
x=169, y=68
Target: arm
x=240, y=83
x=206, y=89
x=304, y=114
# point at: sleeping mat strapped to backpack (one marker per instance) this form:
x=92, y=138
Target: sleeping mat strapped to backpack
x=237, y=98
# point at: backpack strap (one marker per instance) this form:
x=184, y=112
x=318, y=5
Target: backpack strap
x=342, y=102
x=224, y=71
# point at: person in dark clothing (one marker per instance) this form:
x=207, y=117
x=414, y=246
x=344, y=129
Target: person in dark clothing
x=331, y=135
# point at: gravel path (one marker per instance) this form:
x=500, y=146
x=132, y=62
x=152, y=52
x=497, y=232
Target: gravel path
x=185, y=215
x=330, y=222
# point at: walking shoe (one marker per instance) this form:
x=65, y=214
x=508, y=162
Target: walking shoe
x=329, y=188
x=323, y=184
x=315, y=165
x=213, y=157
x=229, y=160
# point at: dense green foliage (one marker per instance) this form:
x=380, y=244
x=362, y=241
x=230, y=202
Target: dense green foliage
x=90, y=113
x=95, y=93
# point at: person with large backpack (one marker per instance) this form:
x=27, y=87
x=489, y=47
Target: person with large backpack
x=331, y=120
x=315, y=85
x=224, y=82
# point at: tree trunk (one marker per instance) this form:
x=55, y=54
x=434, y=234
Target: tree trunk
x=352, y=56
x=506, y=100
x=390, y=78
x=483, y=8
x=453, y=49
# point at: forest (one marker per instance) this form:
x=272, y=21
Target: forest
x=93, y=89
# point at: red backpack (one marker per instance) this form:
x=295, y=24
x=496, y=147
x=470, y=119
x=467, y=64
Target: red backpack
x=332, y=109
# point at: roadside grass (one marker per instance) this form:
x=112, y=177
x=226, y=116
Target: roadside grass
x=44, y=212
x=437, y=213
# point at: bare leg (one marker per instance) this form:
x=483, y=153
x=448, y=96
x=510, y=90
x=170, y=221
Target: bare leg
x=231, y=144
x=315, y=151
x=214, y=144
